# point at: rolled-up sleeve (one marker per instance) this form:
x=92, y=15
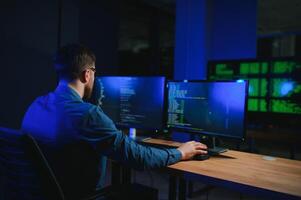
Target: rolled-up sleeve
x=99, y=130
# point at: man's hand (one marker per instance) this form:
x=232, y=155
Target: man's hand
x=192, y=148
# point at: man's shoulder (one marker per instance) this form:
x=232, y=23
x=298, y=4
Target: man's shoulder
x=93, y=109
x=95, y=113
x=41, y=100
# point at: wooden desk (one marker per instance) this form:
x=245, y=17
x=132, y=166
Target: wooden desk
x=246, y=172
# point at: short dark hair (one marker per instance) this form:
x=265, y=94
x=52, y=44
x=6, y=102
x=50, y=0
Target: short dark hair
x=71, y=60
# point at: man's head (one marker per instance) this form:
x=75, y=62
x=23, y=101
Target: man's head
x=76, y=62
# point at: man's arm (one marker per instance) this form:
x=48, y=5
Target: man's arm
x=100, y=131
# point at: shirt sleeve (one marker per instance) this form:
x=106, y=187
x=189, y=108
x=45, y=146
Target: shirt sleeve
x=100, y=131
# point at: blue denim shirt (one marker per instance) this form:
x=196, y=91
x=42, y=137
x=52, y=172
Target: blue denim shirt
x=62, y=116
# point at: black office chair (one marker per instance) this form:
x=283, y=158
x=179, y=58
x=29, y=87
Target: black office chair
x=18, y=177
x=27, y=173
x=51, y=186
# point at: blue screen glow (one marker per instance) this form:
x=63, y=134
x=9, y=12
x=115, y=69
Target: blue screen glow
x=133, y=102
x=215, y=108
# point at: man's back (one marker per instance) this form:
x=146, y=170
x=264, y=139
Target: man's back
x=54, y=119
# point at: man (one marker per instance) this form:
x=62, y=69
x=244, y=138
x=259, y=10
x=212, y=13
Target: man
x=63, y=120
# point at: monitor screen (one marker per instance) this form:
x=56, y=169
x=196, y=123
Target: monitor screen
x=133, y=102
x=212, y=108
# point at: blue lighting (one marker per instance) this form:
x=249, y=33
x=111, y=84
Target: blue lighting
x=240, y=81
x=286, y=88
x=229, y=95
x=215, y=108
x=133, y=101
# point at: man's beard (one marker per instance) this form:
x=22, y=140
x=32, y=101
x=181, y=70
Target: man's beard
x=88, y=93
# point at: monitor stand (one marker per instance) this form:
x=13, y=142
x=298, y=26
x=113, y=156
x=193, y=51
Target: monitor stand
x=213, y=149
x=133, y=135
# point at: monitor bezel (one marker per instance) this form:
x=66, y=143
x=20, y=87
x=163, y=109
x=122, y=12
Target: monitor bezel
x=207, y=133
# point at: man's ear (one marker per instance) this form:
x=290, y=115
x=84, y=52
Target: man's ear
x=84, y=76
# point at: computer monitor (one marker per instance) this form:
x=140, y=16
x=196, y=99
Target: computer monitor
x=210, y=108
x=133, y=101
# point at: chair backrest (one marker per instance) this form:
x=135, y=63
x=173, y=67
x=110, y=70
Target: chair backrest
x=18, y=180
x=77, y=168
x=51, y=187
x=25, y=173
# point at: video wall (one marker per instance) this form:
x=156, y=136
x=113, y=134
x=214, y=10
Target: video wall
x=274, y=85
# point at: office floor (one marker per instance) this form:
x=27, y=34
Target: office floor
x=159, y=180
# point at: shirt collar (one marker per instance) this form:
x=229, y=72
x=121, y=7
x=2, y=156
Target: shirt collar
x=64, y=89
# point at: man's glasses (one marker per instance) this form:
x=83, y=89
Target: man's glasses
x=93, y=69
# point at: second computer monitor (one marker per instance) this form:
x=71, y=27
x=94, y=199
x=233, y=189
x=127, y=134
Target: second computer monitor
x=133, y=102
x=212, y=108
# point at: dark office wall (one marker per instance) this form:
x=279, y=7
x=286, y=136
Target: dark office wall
x=233, y=29
x=29, y=37
x=99, y=29
x=69, y=26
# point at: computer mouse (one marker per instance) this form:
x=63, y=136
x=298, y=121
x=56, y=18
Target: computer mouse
x=201, y=157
